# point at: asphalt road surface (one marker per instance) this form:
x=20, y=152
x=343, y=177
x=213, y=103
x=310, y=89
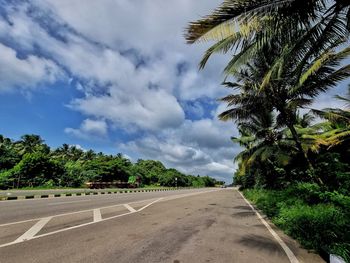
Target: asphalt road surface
x=205, y=225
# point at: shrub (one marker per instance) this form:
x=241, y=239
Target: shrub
x=320, y=227
x=318, y=220
x=271, y=201
x=307, y=192
x=344, y=182
x=6, y=181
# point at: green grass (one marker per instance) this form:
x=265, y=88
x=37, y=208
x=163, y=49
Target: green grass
x=44, y=188
x=154, y=187
x=319, y=220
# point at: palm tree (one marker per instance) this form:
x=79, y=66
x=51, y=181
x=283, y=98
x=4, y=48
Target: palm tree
x=89, y=155
x=75, y=153
x=336, y=130
x=30, y=143
x=263, y=140
x=283, y=55
x=250, y=25
x=265, y=147
x=294, y=67
x=280, y=89
x=283, y=85
x=61, y=152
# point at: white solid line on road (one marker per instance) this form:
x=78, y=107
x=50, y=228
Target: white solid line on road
x=131, y=209
x=33, y=230
x=20, y=222
x=97, y=215
x=292, y=258
x=70, y=202
x=149, y=204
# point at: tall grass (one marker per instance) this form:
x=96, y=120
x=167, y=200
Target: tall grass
x=319, y=220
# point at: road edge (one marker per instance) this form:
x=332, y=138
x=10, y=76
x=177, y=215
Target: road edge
x=291, y=256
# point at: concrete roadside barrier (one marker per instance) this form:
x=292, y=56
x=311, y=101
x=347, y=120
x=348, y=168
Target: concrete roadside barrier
x=47, y=194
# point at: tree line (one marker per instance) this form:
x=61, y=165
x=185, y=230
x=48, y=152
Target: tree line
x=29, y=162
x=295, y=159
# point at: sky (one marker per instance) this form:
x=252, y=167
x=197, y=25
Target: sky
x=116, y=76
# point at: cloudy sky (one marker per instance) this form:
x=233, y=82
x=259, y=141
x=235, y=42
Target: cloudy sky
x=115, y=76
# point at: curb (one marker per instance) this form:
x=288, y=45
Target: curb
x=104, y=192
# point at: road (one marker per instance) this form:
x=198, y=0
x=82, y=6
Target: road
x=203, y=225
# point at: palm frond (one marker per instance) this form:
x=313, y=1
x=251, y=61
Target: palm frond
x=222, y=46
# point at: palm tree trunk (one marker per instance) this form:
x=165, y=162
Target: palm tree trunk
x=296, y=138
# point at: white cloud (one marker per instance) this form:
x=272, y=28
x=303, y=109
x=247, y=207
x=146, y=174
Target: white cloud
x=89, y=129
x=26, y=73
x=79, y=147
x=126, y=55
x=149, y=110
x=196, y=147
x=147, y=25
x=208, y=133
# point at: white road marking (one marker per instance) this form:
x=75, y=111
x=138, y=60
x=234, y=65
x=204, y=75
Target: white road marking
x=70, y=202
x=72, y=213
x=149, y=204
x=186, y=195
x=20, y=222
x=87, y=210
x=43, y=221
x=97, y=215
x=289, y=253
x=131, y=209
x=33, y=230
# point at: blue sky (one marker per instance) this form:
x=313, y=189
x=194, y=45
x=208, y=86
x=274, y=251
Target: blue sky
x=115, y=76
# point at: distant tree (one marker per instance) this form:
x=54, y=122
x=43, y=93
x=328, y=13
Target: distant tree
x=149, y=170
x=172, y=177
x=8, y=154
x=107, y=169
x=31, y=143
x=73, y=176
x=89, y=155
x=35, y=169
x=30, y=162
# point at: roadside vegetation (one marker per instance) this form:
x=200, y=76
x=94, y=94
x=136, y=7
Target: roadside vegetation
x=295, y=160
x=30, y=163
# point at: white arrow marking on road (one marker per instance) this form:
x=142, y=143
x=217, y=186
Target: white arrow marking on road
x=33, y=230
